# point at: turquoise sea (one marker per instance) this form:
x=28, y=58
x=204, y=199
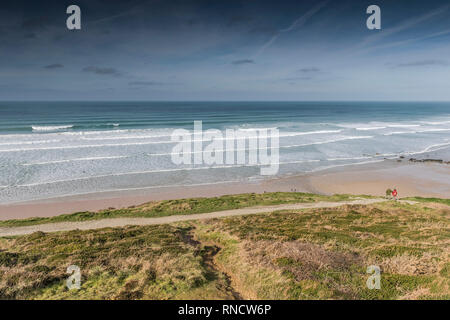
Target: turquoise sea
x=51, y=149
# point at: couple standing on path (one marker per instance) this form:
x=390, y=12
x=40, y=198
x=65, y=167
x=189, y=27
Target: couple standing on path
x=392, y=193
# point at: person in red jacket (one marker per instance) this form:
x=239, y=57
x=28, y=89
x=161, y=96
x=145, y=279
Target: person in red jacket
x=394, y=194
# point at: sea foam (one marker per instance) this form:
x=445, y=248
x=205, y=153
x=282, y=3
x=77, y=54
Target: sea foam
x=51, y=128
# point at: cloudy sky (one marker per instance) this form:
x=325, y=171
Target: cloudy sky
x=225, y=50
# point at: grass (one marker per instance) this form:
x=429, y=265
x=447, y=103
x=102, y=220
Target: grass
x=324, y=253
x=300, y=254
x=183, y=206
x=151, y=262
x=436, y=200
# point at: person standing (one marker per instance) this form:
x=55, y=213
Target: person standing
x=394, y=193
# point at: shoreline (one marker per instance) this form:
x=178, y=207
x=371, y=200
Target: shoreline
x=411, y=178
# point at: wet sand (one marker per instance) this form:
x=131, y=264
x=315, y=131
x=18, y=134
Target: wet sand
x=410, y=179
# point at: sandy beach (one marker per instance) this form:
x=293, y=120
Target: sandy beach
x=410, y=179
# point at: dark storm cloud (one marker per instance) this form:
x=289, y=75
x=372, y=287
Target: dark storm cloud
x=29, y=35
x=35, y=23
x=151, y=83
x=293, y=79
x=307, y=74
x=309, y=70
x=421, y=63
x=54, y=66
x=238, y=20
x=102, y=71
x=263, y=30
x=242, y=61
x=146, y=83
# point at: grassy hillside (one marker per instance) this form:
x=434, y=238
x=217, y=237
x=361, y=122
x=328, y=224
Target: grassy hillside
x=324, y=253
x=436, y=200
x=303, y=254
x=184, y=206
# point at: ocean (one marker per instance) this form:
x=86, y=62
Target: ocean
x=52, y=149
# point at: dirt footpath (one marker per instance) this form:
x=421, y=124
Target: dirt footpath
x=121, y=222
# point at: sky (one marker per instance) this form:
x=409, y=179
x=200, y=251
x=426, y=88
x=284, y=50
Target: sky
x=225, y=50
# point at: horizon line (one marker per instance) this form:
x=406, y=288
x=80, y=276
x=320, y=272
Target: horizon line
x=141, y=100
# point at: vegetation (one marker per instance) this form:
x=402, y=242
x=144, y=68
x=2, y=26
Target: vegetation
x=388, y=192
x=184, y=206
x=300, y=254
x=153, y=262
x=324, y=253
x=436, y=200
